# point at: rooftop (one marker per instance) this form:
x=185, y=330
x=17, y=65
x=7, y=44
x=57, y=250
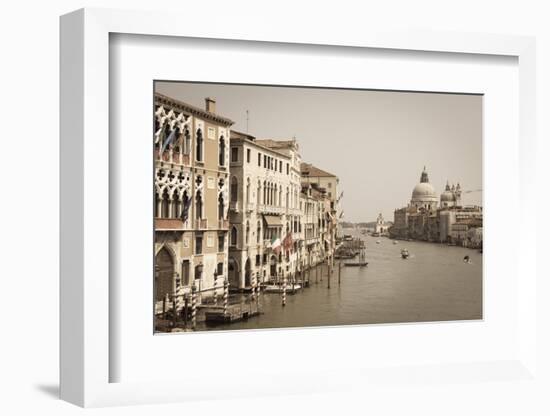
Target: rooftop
x=307, y=169
x=237, y=135
x=164, y=100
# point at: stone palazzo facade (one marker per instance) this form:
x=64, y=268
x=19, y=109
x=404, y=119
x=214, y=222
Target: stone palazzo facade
x=191, y=186
x=231, y=208
x=442, y=220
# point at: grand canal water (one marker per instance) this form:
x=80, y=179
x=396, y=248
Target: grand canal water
x=434, y=284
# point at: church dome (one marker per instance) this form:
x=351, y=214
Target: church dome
x=423, y=191
x=447, y=196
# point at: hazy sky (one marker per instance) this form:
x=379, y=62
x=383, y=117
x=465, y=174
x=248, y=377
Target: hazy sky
x=376, y=142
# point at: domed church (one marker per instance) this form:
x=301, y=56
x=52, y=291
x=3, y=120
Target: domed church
x=423, y=195
x=451, y=197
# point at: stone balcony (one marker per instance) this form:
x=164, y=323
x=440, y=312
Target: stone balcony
x=171, y=224
x=269, y=209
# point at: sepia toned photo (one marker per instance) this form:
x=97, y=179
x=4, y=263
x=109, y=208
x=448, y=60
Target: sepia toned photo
x=293, y=207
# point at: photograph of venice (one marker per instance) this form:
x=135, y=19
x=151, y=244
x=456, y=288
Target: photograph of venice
x=280, y=207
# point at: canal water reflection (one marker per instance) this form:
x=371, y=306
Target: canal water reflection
x=434, y=284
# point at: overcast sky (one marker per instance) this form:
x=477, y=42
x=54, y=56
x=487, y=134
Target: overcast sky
x=376, y=142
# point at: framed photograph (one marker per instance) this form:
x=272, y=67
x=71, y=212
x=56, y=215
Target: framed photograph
x=289, y=201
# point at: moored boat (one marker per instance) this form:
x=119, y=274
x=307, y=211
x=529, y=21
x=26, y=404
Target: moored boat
x=279, y=288
x=405, y=253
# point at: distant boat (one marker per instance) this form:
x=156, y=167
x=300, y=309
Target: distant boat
x=279, y=288
x=356, y=264
x=394, y=241
x=378, y=241
x=405, y=253
x=361, y=261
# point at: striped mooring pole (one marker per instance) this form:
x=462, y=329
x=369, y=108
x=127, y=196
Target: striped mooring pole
x=215, y=289
x=193, y=307
x=225, y=296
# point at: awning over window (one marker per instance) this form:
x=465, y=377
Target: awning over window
x=273, y=221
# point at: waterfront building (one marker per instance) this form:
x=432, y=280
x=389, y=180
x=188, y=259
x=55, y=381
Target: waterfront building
x=381, y=226
x=264, y=210
x=312, y=175
x=315, y=207
x=292, y=237
x=450, y=222
x=191, y=162
x=423, y=195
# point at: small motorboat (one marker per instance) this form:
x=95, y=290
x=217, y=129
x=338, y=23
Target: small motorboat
x=394, y=242
x=279, y=288
x=467, y=259
x=404, y=253
x=378, y=241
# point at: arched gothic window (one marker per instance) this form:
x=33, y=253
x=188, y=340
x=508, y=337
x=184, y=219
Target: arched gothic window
x=247, y=236
x=199, y=155
x=198, y=205
x=221, y=151
x=258, y=232
x=221, y=207
x=165, y=210
x=233, y=240
x=186, y=142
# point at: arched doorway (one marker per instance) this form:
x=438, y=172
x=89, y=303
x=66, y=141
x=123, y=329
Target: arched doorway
x=247, y=274
x=164, y=276
x=233, y=272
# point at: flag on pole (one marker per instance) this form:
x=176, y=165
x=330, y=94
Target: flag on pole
x=276, y=244
x=185, y=209
x=168, y=140
x=287, y=242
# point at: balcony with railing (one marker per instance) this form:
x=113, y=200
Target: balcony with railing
x=173, y=157
x=270, y=209
x=171, y=224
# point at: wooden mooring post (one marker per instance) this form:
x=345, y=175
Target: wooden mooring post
x=225, y=297
x=284, y=291
x=339, y=271
x=174, y=313
x=215, y=288
x=193, y=307
x=317, y=273
x=328, y=276
x=186, y=305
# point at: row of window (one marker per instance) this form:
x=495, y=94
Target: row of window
x=180, y=143
x=179, y=206
x=269, y=162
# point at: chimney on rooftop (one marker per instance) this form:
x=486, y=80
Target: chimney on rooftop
x=210, y=104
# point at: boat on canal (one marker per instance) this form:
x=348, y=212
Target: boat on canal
x=361, y=261
x=279, y=288
x=405, y=253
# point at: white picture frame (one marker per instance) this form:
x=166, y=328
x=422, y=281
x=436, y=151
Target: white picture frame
x=85, y=213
